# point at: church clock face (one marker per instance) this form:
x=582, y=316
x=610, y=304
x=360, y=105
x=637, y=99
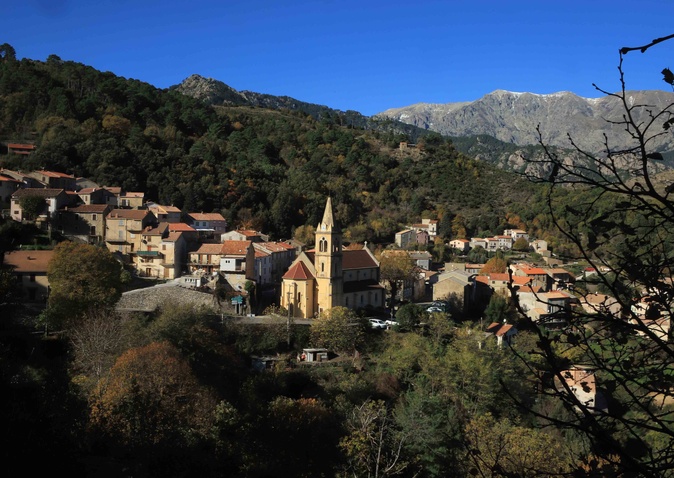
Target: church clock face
x=323, y=227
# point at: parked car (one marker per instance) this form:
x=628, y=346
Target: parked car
x=390, y=323
x=377, y=324
x=434, y=308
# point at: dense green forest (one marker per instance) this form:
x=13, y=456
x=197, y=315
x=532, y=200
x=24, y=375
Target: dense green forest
x=269, y=169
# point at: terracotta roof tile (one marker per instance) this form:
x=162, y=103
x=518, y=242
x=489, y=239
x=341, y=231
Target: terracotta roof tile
x=209, y=249
x=42, y=192
x=173, y=236
x=498, y=329
x=235, y=248
x=89, y=208
x=181, y=226
x=134, y=214
x=210, y=216
x=55, y=174
x=298, y=272
x=7, y=178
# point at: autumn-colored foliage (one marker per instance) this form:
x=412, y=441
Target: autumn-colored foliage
x=495, y=265
x=149, y=396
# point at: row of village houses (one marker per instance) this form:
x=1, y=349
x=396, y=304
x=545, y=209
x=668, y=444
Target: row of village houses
x=158, y=241
x=161, y=241
x=425, y=232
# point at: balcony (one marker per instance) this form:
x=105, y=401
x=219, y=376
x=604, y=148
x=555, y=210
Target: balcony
x=148, y=253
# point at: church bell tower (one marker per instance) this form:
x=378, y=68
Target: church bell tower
x=328, y=261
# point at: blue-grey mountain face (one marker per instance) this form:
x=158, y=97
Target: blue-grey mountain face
x=514, y=118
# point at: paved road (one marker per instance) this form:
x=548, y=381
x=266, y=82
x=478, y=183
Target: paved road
x=266, y=319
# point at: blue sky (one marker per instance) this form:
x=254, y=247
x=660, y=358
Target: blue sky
x=366, y=55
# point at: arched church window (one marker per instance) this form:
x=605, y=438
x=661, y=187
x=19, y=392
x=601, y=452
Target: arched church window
x=323, y=245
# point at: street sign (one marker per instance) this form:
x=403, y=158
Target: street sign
x=237, y=300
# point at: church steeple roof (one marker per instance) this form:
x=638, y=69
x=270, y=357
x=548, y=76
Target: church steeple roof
x=328, y=218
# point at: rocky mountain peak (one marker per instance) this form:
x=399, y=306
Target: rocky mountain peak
x=514, y=117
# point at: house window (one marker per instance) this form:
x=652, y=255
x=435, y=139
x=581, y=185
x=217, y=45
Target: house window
x=346, y=301
x=93, y=217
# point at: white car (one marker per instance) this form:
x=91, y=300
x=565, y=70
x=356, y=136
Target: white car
x=377, y=324
x=390, y=323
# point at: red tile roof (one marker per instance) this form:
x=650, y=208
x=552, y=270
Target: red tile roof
x=209, y=249
x=89, y=208
x=209, y=216
x=55, y=174
x=235, y=248
x=134, y=214
x=505, y=277
x=521, y=280
x=499, y=329
x=181, y=226
x=298, y=272
x=353, y=259
x=173, y=236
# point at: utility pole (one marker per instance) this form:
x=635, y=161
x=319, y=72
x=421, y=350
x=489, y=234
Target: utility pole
x=288, y=323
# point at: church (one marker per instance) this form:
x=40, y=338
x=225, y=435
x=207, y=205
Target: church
x=329, y=276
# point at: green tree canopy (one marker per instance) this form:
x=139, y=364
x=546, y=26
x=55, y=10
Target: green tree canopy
x=521, y=244
x=338, y=329
x=32, y=205
x=408, y=316
x=82, y=277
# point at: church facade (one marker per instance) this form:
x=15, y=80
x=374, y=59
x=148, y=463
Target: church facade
x=329, y=276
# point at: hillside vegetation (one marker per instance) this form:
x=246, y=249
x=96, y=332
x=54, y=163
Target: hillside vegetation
x=269, y=169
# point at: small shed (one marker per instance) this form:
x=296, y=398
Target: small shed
x=314, y=355
x=263, y=363
x=193, y=281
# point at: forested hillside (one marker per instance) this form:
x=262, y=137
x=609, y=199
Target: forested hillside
x=269, y=169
